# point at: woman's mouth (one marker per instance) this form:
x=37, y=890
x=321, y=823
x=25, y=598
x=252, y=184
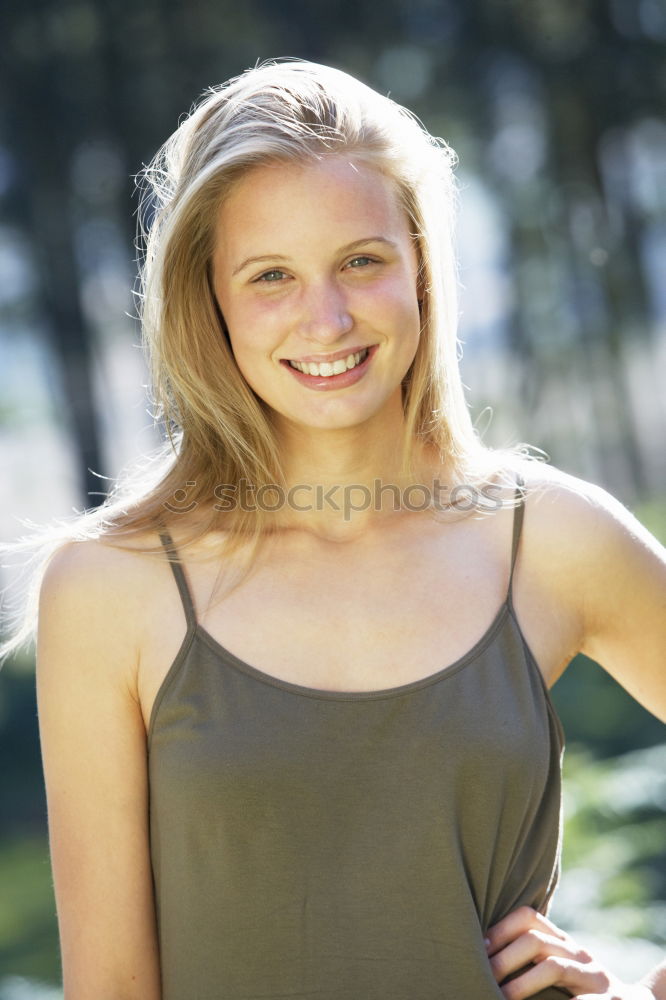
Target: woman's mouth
x=328, y=368
x=332, y=374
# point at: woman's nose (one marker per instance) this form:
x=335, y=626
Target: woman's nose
x=325, y=313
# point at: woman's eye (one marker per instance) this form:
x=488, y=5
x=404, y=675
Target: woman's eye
x=270, y=276
x=355, y=261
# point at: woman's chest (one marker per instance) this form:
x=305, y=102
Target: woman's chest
x=355, y=622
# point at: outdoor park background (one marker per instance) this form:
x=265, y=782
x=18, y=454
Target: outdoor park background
x=555, y=108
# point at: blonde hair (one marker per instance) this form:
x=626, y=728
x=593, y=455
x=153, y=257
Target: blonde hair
x=218, y=430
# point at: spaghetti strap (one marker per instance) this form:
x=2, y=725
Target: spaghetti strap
x=179, y=574
x=518, y=514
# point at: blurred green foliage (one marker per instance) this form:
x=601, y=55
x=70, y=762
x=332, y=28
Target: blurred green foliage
x=28, y=927
x=615, y=831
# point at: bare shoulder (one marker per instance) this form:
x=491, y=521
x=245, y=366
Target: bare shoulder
x=581, y=535
x=578, y=515
x=78, y=565
x=546, y=483
x=90, y=597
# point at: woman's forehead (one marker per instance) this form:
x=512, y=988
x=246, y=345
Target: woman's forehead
x=334, y=194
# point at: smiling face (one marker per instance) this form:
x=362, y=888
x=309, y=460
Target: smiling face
x=315, y=272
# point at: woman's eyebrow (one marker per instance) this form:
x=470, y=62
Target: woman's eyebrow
x=345, y=249
x=257, y=260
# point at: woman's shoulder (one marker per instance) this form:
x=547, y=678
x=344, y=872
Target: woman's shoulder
x=541, y=478
x=99, y=584
x=110, y=554
x=88, y=620
x=558, y=506
x=116, y=574
x=101, y=560
x=564, y=504
x=576, y=530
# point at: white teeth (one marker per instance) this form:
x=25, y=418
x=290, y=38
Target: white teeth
x=328, y=368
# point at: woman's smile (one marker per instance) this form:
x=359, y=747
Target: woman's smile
x=338, y=374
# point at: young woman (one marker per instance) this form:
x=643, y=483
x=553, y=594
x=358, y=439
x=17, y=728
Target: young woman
x=294, y=692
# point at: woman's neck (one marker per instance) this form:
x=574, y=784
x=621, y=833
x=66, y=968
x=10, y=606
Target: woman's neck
x=345, y=482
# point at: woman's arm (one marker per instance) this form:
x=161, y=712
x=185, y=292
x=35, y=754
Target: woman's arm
x=610, y=572
x=625, y=602
x=94, y=757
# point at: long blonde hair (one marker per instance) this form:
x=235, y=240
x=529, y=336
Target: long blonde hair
x=217, y=429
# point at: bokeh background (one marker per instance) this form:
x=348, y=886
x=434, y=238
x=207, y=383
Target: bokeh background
x=555, y=108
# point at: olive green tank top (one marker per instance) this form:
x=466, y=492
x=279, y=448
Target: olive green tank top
x=329, y=845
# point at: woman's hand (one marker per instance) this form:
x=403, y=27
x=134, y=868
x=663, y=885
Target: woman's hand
x=525, y=936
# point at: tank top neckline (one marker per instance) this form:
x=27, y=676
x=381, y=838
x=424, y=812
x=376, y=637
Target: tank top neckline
x=375, y=693
x=196, y=630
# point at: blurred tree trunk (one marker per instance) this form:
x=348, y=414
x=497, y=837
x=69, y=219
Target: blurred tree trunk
x=43, y=131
